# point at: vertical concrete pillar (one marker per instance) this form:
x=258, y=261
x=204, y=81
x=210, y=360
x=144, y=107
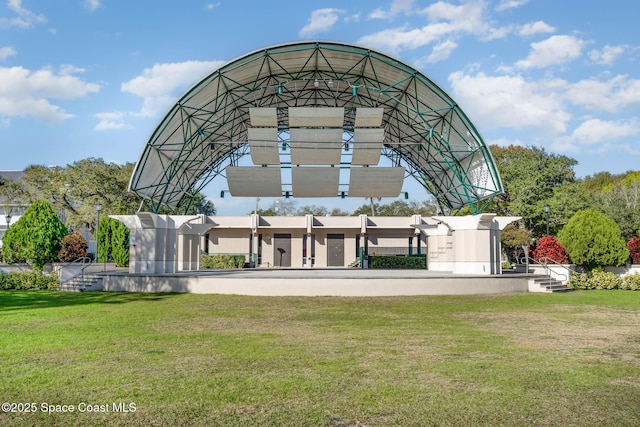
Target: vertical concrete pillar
x=440, y=255
x=255, y=222
x=154, y=242
x=465, y=244
x=307, y=249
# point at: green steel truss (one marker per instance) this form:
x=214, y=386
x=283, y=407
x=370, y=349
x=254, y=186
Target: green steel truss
x=425, y=130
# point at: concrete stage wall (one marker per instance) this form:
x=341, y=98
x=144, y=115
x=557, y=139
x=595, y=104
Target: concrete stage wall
x=341, y=282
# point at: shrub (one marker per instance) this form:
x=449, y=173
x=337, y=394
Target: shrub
x=579, y=281
x=222, y=261
x=591, y=239
x=630, y=282
x=397, y=262
x=119, y=243
x=113, y=241
x=36, y=238
x=28, y=280
x=550, y=251
x=604, y=280
x=74, y=246
x=103, y=239
x=634, y=249
x=506, y=265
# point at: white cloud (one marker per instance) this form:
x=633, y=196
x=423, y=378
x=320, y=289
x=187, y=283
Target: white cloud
x=510, y=4
x=511, y=102
x=467, y=17
x=379, y=13
x=596, y=131
x=607, y=55
x=158, y=85
x=446, y=22
x=321, y=20
x=533, y=28
x=352, y=18
x=546, y=109
x=211, y=6
x=400, y=38
x=555, y=50
x=441, y=51
x=24, y=19
x=613, y=95
x=398, y=6
x=6, y=51
x=404, y=6
x=24, y=93
x=111, y=121
x=92, y=5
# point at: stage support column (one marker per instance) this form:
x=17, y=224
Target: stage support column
x=154, y=244
x=465, y=244
x=309, y=243
x=255, y=223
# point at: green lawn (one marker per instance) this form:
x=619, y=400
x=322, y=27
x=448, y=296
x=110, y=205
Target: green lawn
x=568, y=359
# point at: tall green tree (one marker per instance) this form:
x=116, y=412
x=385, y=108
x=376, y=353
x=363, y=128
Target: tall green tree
x=85, y=183
x=567, y=199
x=621, y=200
x=35, y=238
x=514, y=239
x=113, y=242
x=75, y=190
x=530, y=176
x=593, y=240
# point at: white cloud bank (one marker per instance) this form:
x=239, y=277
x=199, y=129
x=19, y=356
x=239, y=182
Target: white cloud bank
x=556, y=50
x=321, y=20
x=25, y=93
x=23, y=18
x=158, y=86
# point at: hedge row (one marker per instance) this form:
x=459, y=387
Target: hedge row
x=28, y=280
x=221, y=261
x=605, y=280
x=397, y=262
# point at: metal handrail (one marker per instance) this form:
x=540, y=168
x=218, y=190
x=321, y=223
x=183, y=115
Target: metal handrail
x=82, y=259
x=545, y=263
x=68, y=263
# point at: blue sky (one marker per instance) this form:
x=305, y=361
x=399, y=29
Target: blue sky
x=92, y=78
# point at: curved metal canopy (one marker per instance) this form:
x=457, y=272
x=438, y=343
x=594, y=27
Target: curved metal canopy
x=424, y=129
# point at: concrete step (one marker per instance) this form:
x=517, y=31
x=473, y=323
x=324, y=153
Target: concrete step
x=81, y=284
x=547, y=284
x=355, y=264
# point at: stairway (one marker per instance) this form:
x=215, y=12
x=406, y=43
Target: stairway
x=546, y=283
x=81, y=283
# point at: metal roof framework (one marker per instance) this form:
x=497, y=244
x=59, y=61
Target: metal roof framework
x=425, y=131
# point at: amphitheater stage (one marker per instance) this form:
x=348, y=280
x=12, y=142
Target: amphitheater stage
x=316, y=282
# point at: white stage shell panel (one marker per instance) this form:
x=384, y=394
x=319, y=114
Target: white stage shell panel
x=376, y=182
x=254, y=181
x=315, y=182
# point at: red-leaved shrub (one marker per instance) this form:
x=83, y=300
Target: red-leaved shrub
x=634, y=249
x=74, y=246
x=550, y=251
